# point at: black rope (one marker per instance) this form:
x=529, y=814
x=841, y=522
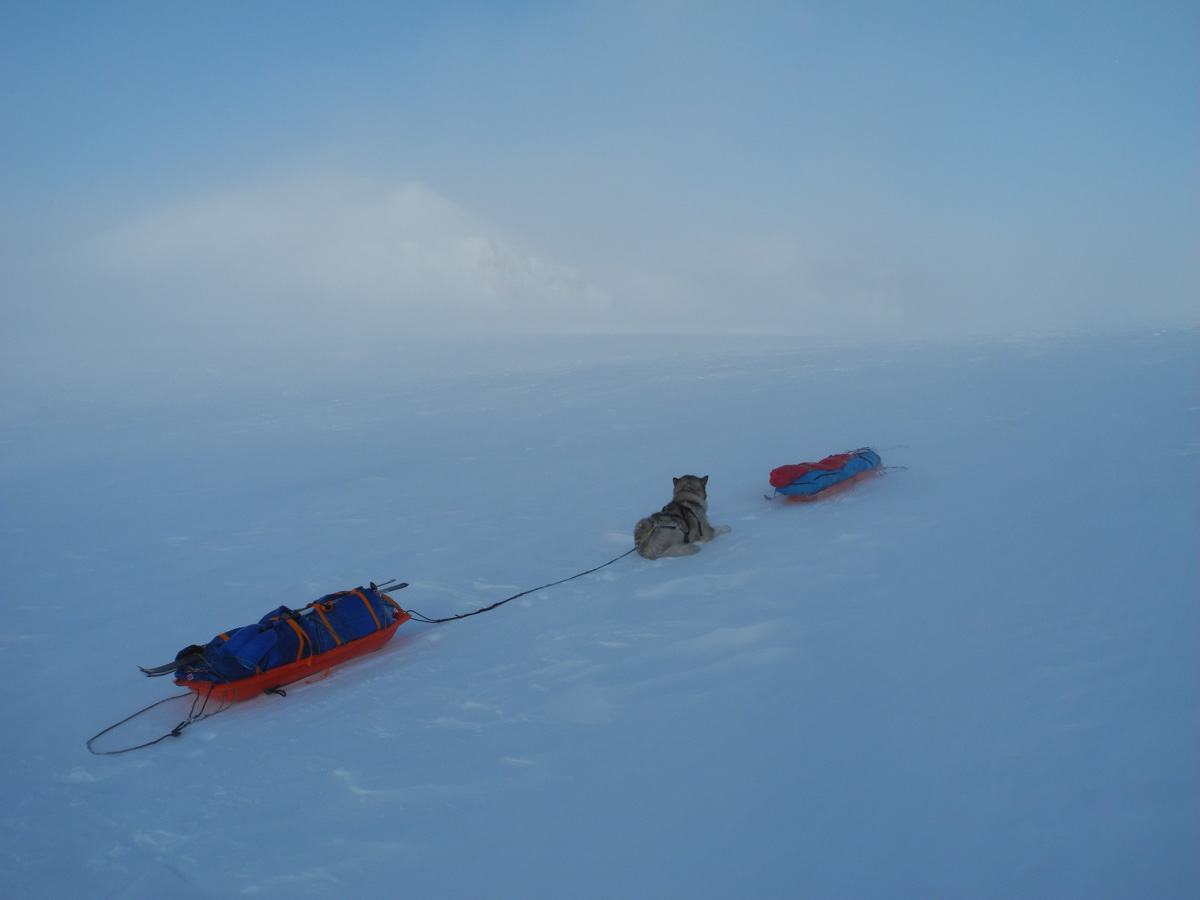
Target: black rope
x=193, y=716
x=423, y=618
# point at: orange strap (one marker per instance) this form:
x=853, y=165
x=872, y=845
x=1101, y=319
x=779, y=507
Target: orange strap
x=367, y=604
x=321, y=613
x=303, y=639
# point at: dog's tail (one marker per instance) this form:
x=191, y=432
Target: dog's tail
x=641, y=531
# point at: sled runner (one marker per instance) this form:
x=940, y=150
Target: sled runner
x=286, y=645
x=833, y=474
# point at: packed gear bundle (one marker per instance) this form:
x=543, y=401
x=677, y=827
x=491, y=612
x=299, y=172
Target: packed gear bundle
x=811, y=480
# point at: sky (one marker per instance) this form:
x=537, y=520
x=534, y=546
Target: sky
x=201, y=171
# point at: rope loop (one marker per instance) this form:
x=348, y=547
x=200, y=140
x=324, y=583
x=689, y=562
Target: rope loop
x=194, y=715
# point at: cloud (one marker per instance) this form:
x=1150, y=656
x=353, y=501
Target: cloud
x=363, y=246
x=338, y=250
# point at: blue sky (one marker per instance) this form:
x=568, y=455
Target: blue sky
x=894, y=167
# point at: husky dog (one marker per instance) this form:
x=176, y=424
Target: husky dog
x=682, y=523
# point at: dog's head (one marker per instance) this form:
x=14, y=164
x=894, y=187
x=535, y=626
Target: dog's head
x=691, y=486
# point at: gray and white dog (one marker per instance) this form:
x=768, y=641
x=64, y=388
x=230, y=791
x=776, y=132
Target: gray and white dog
x=681, y=524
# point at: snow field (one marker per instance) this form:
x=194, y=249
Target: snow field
x=973, y=677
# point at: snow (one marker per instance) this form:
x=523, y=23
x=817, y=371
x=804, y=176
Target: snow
x=972, y=677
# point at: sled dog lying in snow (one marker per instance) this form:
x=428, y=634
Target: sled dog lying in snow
x=682, y=523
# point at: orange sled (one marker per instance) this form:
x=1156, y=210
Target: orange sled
x=312, y=668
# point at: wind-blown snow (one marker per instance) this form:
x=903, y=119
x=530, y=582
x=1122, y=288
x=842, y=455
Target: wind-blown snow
x=976, y=677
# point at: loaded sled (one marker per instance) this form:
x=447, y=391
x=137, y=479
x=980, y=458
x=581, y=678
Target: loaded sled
x=287, y=645
x=833, y=474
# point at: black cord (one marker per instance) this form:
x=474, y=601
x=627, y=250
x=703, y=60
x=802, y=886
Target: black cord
x=423, y=618
x=193, y=716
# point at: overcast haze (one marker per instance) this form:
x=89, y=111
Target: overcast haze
x=212, y=169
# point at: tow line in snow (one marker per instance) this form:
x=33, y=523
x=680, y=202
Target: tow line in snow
x=418, y=617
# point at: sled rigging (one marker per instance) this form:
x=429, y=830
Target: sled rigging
x=283, y=647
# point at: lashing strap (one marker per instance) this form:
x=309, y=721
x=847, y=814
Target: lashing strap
x=321, y=613
x=367, y=603
x=303, y=639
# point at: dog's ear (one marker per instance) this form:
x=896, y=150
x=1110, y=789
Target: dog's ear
x=675, y=481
